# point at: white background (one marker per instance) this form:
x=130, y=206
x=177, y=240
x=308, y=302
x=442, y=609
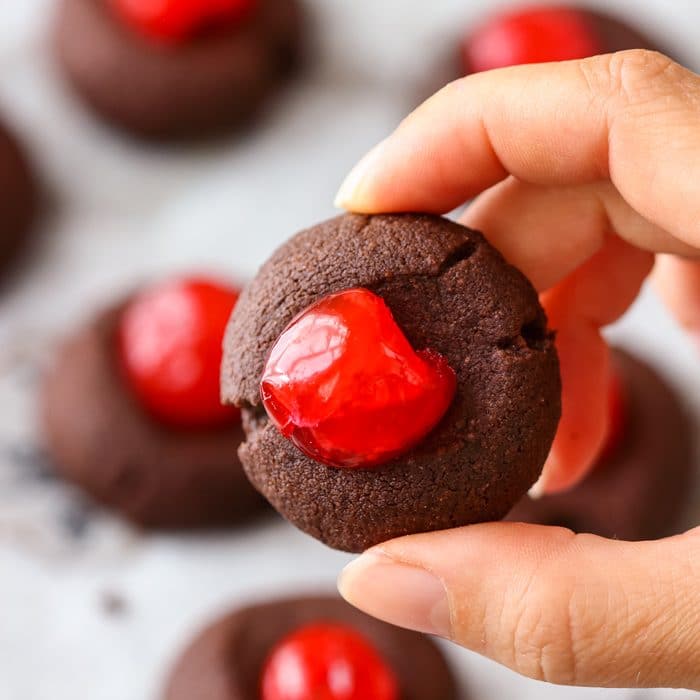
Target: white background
x=118, y=213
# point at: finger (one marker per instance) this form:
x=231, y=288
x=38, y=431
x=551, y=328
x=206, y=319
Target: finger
x=678, y=283
x=548, y=231
x=594, y=295
x=631, y=117
x=558, y=607
x=601, y=274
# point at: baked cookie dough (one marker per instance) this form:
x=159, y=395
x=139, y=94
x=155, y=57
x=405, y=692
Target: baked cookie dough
x=448, y=290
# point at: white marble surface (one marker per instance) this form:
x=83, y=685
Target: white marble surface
x=120, y=213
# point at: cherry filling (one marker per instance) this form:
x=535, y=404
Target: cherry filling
x=531, y=35
x=327, y=661
x=617, y=418
x=343, y=383
x=175, y=21
x=169, y=341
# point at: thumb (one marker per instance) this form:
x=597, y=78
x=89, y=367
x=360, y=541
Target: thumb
x=558, y=607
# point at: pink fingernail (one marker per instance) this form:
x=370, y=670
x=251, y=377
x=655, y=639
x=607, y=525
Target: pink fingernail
x=348, y=192
x=398, y=593
x=537, y=489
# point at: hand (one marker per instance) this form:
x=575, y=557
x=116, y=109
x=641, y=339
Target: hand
x=582, y=172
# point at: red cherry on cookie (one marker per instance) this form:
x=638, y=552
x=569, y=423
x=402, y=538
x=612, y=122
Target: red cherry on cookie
x=617, y=418
x=178, y=20
x=170, y=349
x=534, y=35
x=327, y=661
x=343, y=383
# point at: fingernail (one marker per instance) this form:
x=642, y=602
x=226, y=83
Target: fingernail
x=537, y=489
x=398, y=593
x=347, y=194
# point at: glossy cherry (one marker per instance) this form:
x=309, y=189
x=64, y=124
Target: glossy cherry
x=174, y=21
x=530, y=35
x=343, y=383
x=170, y=349
x=327, y=661
x=617, y=418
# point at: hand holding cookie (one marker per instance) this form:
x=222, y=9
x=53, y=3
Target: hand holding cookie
x=582, y=172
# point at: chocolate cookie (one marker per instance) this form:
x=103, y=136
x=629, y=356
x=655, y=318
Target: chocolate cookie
x=209, y=84
x=496, y=41
x=102, y=440
x=18, y=199
x=448, y=290
x=641, y=490
x=616, y=35
x=226, y=660
x=546, y=33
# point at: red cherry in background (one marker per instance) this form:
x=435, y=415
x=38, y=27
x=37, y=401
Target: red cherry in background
x=169, y=340
x=327, y=661
x=173, y=21
x=617, y=418
x=530, y=35
x=343, y=383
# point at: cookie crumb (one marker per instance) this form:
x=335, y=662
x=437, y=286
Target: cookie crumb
x=113, y=604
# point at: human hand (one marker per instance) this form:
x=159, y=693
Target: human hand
x=583, y=172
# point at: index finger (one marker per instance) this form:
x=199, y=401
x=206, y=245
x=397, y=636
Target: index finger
x=631, y=117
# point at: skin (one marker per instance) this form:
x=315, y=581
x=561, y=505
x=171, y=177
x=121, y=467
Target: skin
x=584, y=174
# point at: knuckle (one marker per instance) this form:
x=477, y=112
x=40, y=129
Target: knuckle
x=611, y=628
x=554, y=628
x=541, y=640
x=631, y=76
x=535, y=632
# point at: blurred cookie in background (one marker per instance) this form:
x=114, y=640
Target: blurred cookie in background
x=544, y=33
x=177, y=69
x=18, y=199
x=641, y=487
x=538, y=33
x=131, y=411
x=314, y=647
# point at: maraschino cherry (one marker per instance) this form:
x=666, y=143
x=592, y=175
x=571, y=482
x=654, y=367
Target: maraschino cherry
x=170, y=349
x=617, y=418
x=327, y=661
x=173, y=21
x=343, y=383
x=531, y=35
